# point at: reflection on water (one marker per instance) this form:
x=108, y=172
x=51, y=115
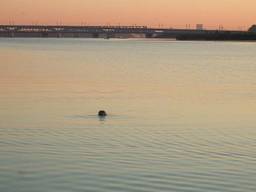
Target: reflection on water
x=181, y=115
x=102, y=119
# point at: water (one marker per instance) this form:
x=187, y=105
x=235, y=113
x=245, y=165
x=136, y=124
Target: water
x=181, y=115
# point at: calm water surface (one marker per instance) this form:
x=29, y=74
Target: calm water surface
x=182, y=116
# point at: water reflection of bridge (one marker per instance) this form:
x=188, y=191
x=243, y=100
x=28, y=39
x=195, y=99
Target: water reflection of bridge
x=119, y=31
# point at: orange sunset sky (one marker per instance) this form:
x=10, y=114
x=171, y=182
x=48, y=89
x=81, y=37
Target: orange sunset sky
x=232, y=14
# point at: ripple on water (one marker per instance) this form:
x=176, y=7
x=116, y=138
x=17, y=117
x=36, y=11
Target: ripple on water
x=133, y=159
x=183, y=116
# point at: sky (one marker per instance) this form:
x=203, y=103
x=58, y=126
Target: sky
x=231, y=14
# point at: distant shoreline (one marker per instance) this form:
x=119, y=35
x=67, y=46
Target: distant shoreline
x=124, y=32
x=151, y=39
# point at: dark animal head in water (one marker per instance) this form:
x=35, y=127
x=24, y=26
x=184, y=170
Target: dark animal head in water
x=102, y=113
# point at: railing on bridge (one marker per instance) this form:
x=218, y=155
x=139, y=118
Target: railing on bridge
x=45, y=28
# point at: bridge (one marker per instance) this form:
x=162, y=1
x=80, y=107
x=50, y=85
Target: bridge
x=57, y=31
x=83, y=31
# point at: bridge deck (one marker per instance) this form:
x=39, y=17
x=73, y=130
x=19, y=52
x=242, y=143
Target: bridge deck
x=96, y=31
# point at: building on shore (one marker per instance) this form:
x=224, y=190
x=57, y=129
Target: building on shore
x=252, y=28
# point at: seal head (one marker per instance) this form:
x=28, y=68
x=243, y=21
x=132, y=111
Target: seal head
x=102, y=113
